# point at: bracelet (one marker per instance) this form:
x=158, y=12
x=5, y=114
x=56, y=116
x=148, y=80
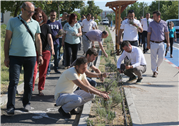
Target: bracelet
x=137, y=26
x=40, y=55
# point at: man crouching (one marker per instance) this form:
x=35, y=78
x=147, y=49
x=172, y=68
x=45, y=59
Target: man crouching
x=65, y=94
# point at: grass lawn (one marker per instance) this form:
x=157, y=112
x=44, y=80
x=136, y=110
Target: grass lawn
x=4, y=69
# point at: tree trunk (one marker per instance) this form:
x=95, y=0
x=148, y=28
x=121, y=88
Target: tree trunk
x=17, y=8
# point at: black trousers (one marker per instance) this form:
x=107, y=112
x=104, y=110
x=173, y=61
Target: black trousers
x=140, y=37
x=171, y=46
x=144, y=40
x=71, y=51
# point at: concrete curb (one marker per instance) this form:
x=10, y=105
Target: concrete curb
x=130, y=102
x=87, y=106
x=132, y=109
x=19, y=89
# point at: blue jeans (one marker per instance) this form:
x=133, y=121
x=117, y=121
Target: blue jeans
x=56, y=58
x=92, y=82
x=15, y=66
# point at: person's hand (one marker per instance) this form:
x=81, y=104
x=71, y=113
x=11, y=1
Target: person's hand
x=93, y=46
x=128, y=67
x=53, y=52
x=148, y=46
x=78, y=35
x=62, y=43
x=168, y=44
x=120, y=71
x=175, y=39
x=102, y=79
x=40, y=60
x=134, y=24
x=6, y=62
x=104, y=74
x=105, y=96
x=106, y=55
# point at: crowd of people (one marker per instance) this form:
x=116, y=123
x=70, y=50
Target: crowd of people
x=31, y=40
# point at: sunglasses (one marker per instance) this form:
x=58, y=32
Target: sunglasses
x=29, y=11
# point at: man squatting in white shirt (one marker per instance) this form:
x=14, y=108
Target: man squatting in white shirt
x=137, y=63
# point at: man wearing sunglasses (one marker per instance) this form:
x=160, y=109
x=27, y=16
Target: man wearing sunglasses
x=19, y=50
x=131, y=27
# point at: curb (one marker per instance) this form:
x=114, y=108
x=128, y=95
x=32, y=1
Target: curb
x=129, y=99
x=87, y=106
x=19, y=89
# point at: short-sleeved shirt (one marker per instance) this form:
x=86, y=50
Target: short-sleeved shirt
x=130, y=31
x=70, y=37
x=65, y=82
x=94, y=35
x=158, y=30
x=55, y=27
x=145, y=23
x=22, y=43
x=171, y=32
x=44, y=36
x=87, y=25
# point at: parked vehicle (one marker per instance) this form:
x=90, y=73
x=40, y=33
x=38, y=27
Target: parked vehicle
x=176, y=24
x=105, y=22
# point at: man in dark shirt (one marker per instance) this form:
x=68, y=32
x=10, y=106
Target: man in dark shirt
x=55, y=27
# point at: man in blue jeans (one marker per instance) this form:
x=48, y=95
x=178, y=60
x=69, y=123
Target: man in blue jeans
x=55, y=27
x=19, y=50
x=91, y=55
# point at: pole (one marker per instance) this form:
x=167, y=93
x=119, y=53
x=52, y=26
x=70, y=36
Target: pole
x=158, y=5
x=143, y=9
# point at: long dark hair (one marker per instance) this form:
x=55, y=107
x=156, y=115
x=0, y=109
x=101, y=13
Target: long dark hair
x=39, y=10
x=72, y=16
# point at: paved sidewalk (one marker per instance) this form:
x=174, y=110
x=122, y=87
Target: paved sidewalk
x=155, y=101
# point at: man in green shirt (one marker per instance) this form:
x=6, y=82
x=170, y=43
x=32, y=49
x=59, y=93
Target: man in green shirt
x=20, y=50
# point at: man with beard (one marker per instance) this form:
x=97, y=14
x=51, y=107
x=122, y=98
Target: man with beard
x=137, y=63
x=131, y=27
x=66, y=95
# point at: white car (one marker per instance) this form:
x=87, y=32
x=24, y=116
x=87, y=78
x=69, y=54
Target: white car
x=105, y=22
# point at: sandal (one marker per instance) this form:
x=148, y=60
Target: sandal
x=41, y=93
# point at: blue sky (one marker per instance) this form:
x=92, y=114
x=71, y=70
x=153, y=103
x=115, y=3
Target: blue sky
x=102, y=3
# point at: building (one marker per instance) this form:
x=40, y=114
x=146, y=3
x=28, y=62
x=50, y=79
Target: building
x=5, y=17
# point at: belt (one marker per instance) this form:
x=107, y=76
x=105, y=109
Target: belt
x=132, y=41
x=156, y=41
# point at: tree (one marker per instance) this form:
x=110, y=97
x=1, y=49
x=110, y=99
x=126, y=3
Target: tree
x=92, y=9
x=14, y=5
x=64, y=6
x=170, y=8
x=78, y=15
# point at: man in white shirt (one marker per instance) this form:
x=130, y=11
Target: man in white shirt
x=87, y=24
x=91, y=55
x=95, y=24
x=145, y=23
x=65, y=94
x=136, y=64
x=131, y=27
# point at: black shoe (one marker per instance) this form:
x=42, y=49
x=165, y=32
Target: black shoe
x=74, y=112
x=64, y=114
x=10, y=111
x=132, y=79
x=139, y=80
x=56, y=71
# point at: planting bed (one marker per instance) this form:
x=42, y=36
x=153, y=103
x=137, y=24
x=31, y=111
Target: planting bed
x=113, y=111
